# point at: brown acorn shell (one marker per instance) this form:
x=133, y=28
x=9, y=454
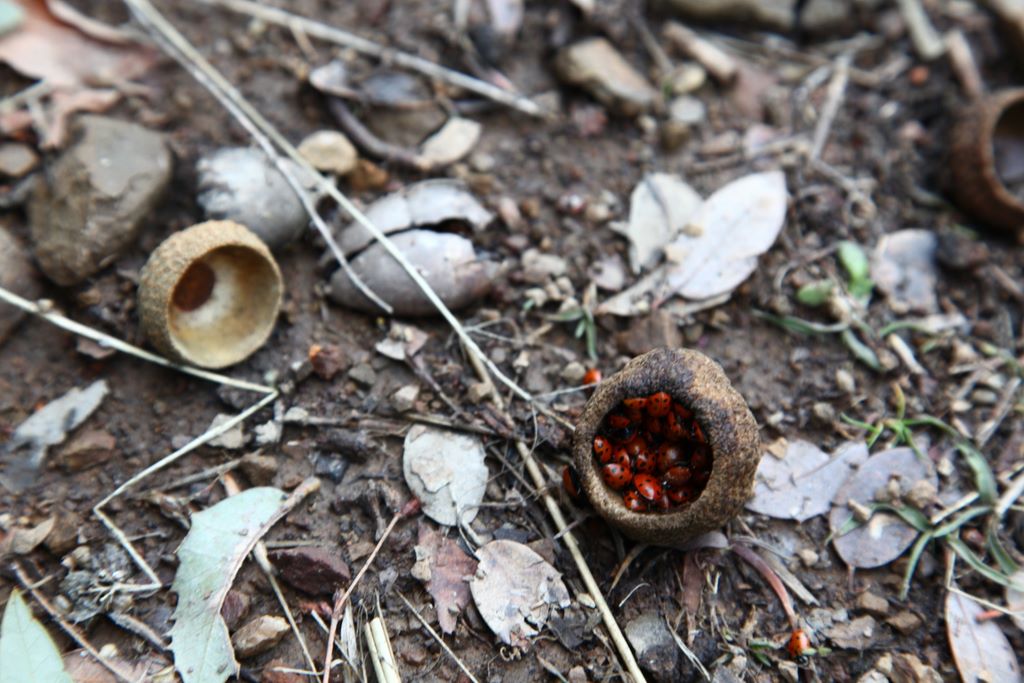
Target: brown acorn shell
x=976, y=184
x=236, y=302
x=700, y=384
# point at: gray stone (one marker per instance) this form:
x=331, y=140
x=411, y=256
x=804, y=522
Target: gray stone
x=595, y=65
x=243, y=185
x=404, y=399
x=91, y=203
x=687, y=109
x=873, y=604
x=859, y=634
x=364, y=374
x=17, y=275
x=655, y=648
x=259, y=635
x=16, y=159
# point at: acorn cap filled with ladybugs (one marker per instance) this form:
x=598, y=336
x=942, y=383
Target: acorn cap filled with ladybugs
x=666, y=449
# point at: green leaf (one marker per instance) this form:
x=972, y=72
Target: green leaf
x=968, y=556
x=569, y=316
x=984, y=480
x=1002, y=558
x=858, y=270
x=26, y=651
x=799, y=325
x=915, y=556
x=209, y=557
x=815, y=293
x=861, y=350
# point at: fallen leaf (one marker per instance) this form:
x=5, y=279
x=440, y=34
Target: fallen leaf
x=885, y=536
x=515, y=588
x=209, y=558
x=444, y=569
x=22, y=541
x=804, y=481
x=980, y=649
x=27, y=653
x=421, y=204
x=24, y=453
x=83, y=667
x=660, y=206
x=446, y=471
x=717, y=250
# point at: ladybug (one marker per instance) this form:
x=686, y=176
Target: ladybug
x=591, y=376
x=644, y=462
x=700, y=460
x=635, y=445
x=616, y=475
x=677, y=476
x=621, y=457
x=674, y=429
x=618, y=421
x=634, y=502
x=698, y=433
x=659, y=404
x=654, y=425
x=668, y=456
x=799, y=646
x=647, y=486
x=571, y=482
x=602, y=449
x=682, y=412
x=635, y=408
x=680, y=496
x=663, y=502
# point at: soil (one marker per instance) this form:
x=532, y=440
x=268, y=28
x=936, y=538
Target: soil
x=888, y=140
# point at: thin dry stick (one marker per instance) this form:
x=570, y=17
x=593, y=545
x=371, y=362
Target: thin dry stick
x=961, y=59
x=834, y=98
x=244, y=112
x=385, y=54
x=770, y=577
x=999, y=413
x=42, y=310
x=719, y=63
x=383, y=656
x=68, y=628
x=927, y=42
x=339, y=604
x=625, y=653
x=440, y=641
x=179, y=48
x=260, y=554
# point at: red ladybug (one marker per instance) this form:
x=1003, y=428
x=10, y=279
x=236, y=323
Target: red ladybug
x=663, y=502
x=677, y=476
x=698, y=433
x=634, y=502
x=634, y=408
x=616, y=475
x=618, y=421
x=644, y=462
x=621, y=457
x=591, y=376
x=799, y=645
x=602, y=449
x=636, y=444
x=654, y=425
x=700, y=460
x=681, y=496
x=668, y=456
x=647, y=486
x=682, y=412
x=659, y=404
x=571, y=482
x=674, y=428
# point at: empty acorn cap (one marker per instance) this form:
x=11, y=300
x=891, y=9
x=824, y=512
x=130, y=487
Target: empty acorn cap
x=987, y=149
x=209, y=295
x=699, y=383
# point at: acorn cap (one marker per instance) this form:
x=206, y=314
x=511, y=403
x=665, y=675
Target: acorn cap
x=700, y=384
x=995, y=120
x=209, y=295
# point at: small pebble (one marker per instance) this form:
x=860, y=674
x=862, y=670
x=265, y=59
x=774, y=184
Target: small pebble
x=808, y=557
x=259, y=635
x=573, y=372
x=845, y=381
x=404, y=399
x=16, y=159
x=329, y=151
x=363, y=373
x=478, y=391
x=259, y=469
x=232, y=439
x=824, y=412
x=906, y=622
x=922, y=494
x=873, y=604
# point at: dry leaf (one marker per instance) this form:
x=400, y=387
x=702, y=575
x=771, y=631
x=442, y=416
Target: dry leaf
x=444, y=568
x=446, y=471
x=660, y=206
x=981, y=651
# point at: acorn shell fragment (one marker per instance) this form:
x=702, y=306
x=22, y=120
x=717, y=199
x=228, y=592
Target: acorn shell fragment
x=209, y=295
x=696, y=381
x=988, y=150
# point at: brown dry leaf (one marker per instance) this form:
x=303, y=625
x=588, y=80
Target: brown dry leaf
x=54, y=51
x=444, y=568
x=83, y=668
x=980, y=649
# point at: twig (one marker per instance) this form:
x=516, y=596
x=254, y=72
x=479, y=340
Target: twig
x=694, y=659
x=833, y=100
x=999, y=413
x=961, y=59
x=366, y=140
x=720, y=64
x=540, y=484
x=44, y=310
x=247, y=116
x=770, y=577
x=385, y=54
x=67, y=627
x=381, y=653
x=339, y=603
x=927, y=42
x=439, y=639
x=906, y=354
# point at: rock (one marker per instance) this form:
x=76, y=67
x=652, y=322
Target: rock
x=63, y=537
x=903, y=266
x=455, y=140
x=908, y=668
x=364, y=374
x=313, y=570
x=404, y=399
x=88, y=449
x=448, y=262
x=845, y=381
x=367, y=176
x=259, y=635
x=235, y=608
x=655, y=648
x=858, y=634
x=906, y=622
x=595, y=65
x=922, y=494
x=17, y=275
x=687, y=110
x=92, y=200
x=872, y=604
x=232, y=439
x=873, y=676
x=478, y=391
x=258, y=469
x=329, y=151
x=573, y=372
x=538, y=267
x=808, y=557
x=686, y=78
x=241, y=184
x=16, y=159
x=657, y=329
x=577, y=674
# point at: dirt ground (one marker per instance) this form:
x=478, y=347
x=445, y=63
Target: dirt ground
x=889, y=139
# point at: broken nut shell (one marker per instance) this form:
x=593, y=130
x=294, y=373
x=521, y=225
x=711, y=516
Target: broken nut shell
x=700, y=384
x=995, y=121
x=209, y=295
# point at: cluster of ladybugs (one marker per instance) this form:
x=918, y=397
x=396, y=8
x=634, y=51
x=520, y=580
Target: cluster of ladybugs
x=653, y=450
